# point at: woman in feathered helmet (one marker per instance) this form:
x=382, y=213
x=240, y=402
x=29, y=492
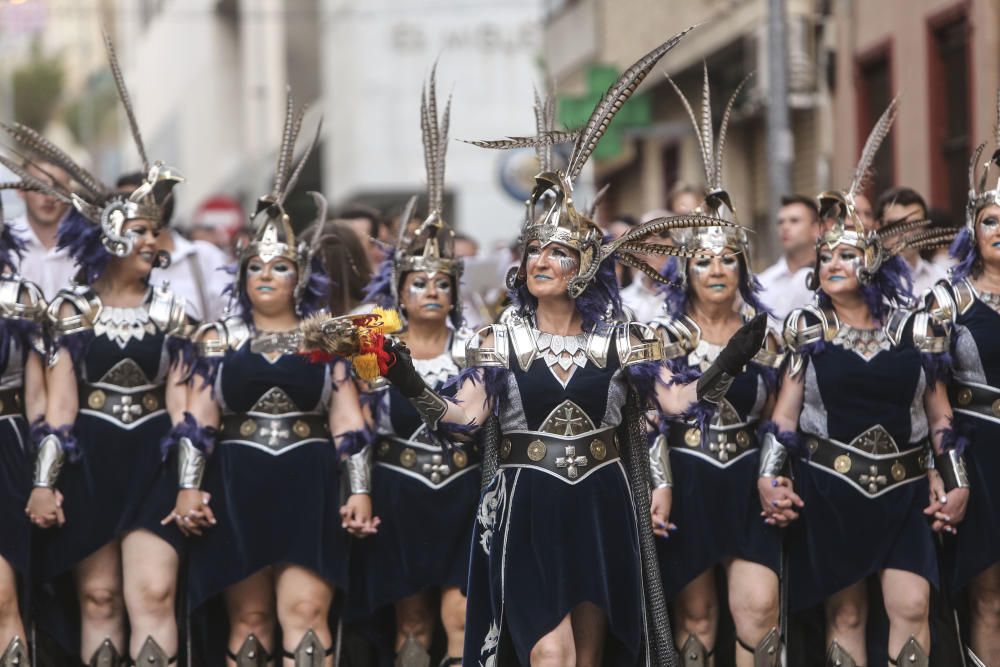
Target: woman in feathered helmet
x=259, y=449
x=563, y=569
x=704, y=461
x=425, y=498
x=114, y=378
x=969, y=304
x=861, y=411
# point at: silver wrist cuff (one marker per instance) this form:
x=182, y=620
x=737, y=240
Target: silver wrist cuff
x=190, y=464
x=773, y=456
x=359, y=471
x=49, y=461
x=951, y=467
x=430, y=406
x=659, y=464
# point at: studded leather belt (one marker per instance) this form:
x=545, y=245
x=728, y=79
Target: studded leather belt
x=975, y=398
x=721, y=444
x=872, y=474
x=430, y=462
x=274, y=432
x=569, y=457
x=10, y=403
x=124, y=407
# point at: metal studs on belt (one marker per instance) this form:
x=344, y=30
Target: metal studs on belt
x=383, y=448
x=742, y=439
x=996, y=408
x=692, y=437
x=505, y=447
x=150, y=402
x=842, y=464
x=898, y=471
x=248, y=428
x=97, y=399
x=964, y=396
x=459, y=458
x=536, y=450
x=408, y=457
x=301, y=429
x=598, y=450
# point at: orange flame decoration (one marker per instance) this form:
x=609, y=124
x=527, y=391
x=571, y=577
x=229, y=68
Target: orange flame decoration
x=356, y=337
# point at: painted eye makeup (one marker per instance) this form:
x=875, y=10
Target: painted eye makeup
x=443, y=286
x=255, y=267
x=825, y=258
x=729, y=261
x=990, y=222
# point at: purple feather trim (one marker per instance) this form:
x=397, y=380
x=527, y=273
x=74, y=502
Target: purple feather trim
x=22, y=332
x=964, y=250
x=352, y=442
x=40, y=429
x=953, y=440
x=83, y=239
x=181, y=351
x=681, y=373
x=316, y=292
x=601, y=298
x=379, y=288
x=332, y=365
x=76, y=344
x=790, y=439
x=643, y=377
x=937, y=367
x=11, y=247
x=202, y=437
x=700, y=414
x=494, y=380
x=770, y=376
x=206, y=369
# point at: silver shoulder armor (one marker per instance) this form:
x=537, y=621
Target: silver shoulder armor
x=799, y=332
x=86, y=306
x=168, y=311
x=895, y=324
x=678, y=336
x=945, y=302
x=459, y=344
x=636, y=343
x=231, y=333
x=21, y=299
x=495, y=355
x=929, y=335
x=771, y=354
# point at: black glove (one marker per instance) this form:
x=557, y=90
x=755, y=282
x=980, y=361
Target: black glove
x=741, y=348
x=401, y=371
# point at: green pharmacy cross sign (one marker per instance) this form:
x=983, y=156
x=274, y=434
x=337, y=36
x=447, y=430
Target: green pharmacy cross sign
x=574, y=111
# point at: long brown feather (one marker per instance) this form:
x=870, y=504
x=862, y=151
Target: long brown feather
x=442, y=150
x=547, y=139
x=426, y=139
x=284, y=155
x=973, y=165
x=612, y=101
x=707, y=131
x=724, y=129
x=706, y=159
x=116, y=71
x=45, y=150
x=432, y=116
x=293, y=179
x=875, y=139
x=29, y=182
x=904, y=226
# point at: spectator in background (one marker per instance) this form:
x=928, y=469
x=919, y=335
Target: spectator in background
x=784, y=282
x=218, y=220
x=196, y=270
x=864, y=208
x=939, y=257
x=684, y=198
x=466, y=246
x=643, y=297
x=368, y=224
x=43, y=263
x=904, y=203
x=614, y=230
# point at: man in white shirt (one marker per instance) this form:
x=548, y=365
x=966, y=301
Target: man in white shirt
x=784, y=282
x=196, y=267
x=904, y=203
x=642, y=296
x=42, y=263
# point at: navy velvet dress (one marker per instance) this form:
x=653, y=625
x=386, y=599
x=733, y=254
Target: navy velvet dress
x=715, y=502
x=850, y=530
x=120, y=482
x=276, y=485
x=427, y=503
x=975, y=356
x=547, y=540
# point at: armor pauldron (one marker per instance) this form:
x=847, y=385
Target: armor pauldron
x=637, y=343
x=168, y=311
x=251, y=653
x=497, y=356
x=106, y=655
x=86, y=304
x=660, y=473
x=15, y=655
x=359, y=471
x=231, y=333
x=412, y=654
x=925, y=338
x=896, y=323
x=694, y=653
x=773, y=456
x=951, y=467
x=309, y=652
x=190, y=464
x=48, y=462
x=30, y=308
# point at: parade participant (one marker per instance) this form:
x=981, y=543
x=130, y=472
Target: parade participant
x=426, y=499
x=563, y=567
x=114, y=387
x=970, y=305
x=258, y=449
x=708, y=507
x=860, y=408
x=22, y=400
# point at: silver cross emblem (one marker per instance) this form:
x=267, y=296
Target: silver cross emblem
x=436, y=468
x=126, y=410
x=571, y=461
x=570, y=422
x=722, y=448
x=274, y=433
x=873, y=479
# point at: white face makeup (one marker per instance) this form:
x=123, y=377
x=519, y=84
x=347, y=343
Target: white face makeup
x=988, y=235
x=550, y=269
x=426, y=296
x=714, y=278
x=838, y=269
x=271, y=283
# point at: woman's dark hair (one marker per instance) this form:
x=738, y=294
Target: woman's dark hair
x=345, y=263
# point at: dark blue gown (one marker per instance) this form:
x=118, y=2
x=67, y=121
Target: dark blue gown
x=715, y=502
x=975, y=385
x=547, y=540
x=850, y=530
x=423, y=540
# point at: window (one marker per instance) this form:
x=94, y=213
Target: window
x=874, y=94
x=949, y=99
